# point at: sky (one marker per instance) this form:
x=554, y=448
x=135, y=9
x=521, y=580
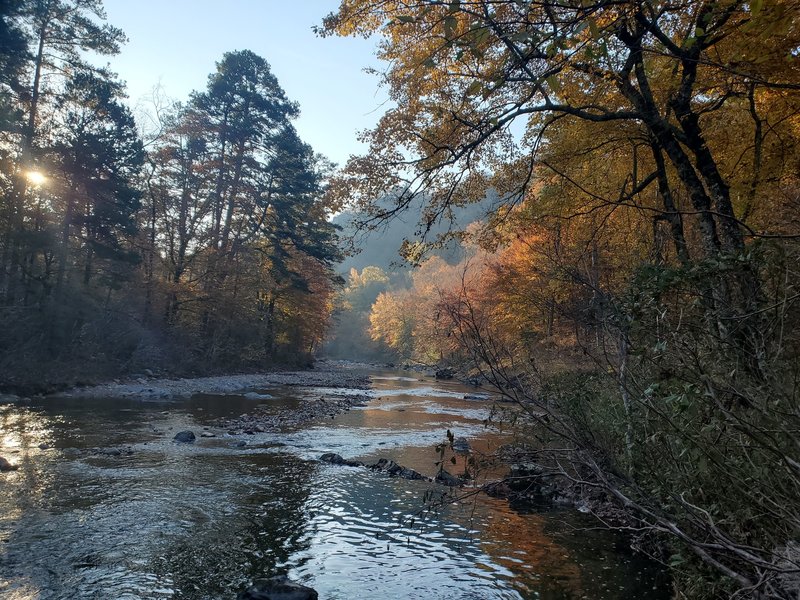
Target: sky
x=176, y=43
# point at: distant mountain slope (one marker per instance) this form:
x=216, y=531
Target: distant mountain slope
x=380, y=247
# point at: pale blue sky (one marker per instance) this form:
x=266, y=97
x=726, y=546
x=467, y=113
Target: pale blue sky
x=177, y=42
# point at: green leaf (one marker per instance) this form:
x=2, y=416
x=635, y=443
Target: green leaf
x=450, y=24
x=474, y=88
x=675, y=560
x=594, y=29
x=756, y=6
x=554, y=83
x=480, y=34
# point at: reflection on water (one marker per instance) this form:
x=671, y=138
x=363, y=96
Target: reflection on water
x=78, y=520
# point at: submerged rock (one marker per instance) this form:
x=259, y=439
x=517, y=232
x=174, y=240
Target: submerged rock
x=445, y=478
x=446, y=373
x=277, y=588
x=337, y=459
x=7, y=466
x=498, y=489
x=394, y=470
x=185, y=437
x=113, y=451
x=461, y=445
x=257, y=396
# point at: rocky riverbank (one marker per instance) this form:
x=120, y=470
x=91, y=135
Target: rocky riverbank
x=152, y=388
x=263, y=419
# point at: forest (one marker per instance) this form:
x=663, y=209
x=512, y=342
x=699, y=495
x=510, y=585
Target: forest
x=599, y=203
x=197, y=240
x=635, y=287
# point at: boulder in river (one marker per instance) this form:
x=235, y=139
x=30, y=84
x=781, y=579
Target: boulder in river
x=461, y=445
x=446, y=373
x=7, y=466
x=185, y=437
x=394, y=470
x=498, y=489
x=277, y=588
x=337, y=459
x=256, y=396
x=445, y=478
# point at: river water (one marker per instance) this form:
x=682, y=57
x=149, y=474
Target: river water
x=201, y=521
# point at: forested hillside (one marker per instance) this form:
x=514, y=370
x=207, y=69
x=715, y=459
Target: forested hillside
x=636, y=289
x=196, y=240
x=599, y=200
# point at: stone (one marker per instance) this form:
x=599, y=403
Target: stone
x=445, y=478
x=336, y=459
x=461, y=445
x=208, y=434
x=257, y=396
x=277, y=588
x=394, y=470
x=7, y=466
x=114, y=451
x=498, y=489
x=446, y=373
x=185, y=437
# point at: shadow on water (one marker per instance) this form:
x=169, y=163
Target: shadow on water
x=109, y=506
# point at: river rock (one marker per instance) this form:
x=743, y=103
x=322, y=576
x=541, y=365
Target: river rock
x=185, y=437
x=277, y=588
x=446, y=373
x=498, y=489
x=257, y=396
x=445, y=478
x=7, y=466
x=114, y=451
x=394, y=470
x=461, y=445
x=337, y=459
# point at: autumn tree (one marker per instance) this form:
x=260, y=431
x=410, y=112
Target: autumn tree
x=646, y=143
x=238, y=215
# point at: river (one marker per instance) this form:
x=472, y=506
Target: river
x=106, y=505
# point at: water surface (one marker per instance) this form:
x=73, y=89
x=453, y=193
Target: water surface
x=165, y=520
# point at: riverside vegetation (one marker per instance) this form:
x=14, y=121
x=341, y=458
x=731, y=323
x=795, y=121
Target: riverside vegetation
x=632, y=284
